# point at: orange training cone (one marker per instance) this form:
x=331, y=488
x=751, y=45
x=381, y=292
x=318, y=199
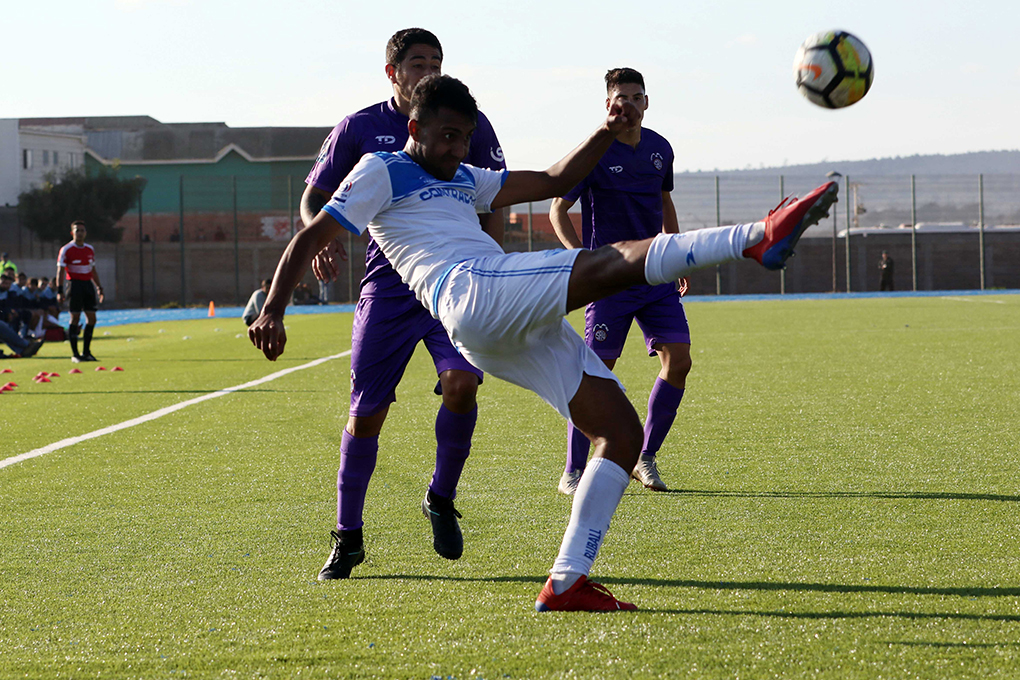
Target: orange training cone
x=212, y=308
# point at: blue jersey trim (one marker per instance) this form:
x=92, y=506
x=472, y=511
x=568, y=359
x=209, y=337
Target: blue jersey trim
x=338, y=216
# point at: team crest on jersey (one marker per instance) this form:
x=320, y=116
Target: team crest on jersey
x=616, y=169
x=345, y=192
x=352, y=380
x=657, y=160
x=601, y=332
x=386, y=139
x=497, y=154
x=323, y=151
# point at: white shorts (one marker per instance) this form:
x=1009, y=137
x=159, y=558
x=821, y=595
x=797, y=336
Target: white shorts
x=504, y=314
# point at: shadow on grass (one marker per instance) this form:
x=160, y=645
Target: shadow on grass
x=961, y=645
x=964, y=591
x=895, y=495
x=955, y=616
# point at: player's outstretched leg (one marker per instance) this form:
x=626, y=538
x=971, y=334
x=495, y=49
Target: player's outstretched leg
x=667, y=257
x=602, y=410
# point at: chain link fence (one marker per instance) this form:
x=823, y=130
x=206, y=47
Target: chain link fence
x=218, y=236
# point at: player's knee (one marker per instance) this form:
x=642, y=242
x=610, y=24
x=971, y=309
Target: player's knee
x=365, y=426
x=679, y=368
x=460, y=388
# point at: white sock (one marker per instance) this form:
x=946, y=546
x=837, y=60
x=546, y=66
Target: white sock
x=598, y=493
x=672, y=256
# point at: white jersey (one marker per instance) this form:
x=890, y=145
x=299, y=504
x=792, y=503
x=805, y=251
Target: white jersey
x=423, y=224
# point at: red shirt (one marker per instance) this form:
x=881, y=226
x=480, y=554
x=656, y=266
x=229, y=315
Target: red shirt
x=77, y=261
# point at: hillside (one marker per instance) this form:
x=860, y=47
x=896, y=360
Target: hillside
x=986, y=162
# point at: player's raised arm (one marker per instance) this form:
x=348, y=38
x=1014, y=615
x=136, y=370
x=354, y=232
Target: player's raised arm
x=558, y=179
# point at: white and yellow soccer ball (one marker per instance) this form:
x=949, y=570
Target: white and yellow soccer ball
x=833, y=69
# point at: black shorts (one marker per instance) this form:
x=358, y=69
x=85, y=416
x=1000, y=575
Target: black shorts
x=83, y=296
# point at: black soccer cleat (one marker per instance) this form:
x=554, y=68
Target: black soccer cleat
x=88, y=357
x=446, y=536
x=342, y=558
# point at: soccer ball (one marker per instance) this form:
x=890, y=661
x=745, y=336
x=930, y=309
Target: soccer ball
x=833, y=69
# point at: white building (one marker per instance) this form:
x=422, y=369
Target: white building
x=30, y=152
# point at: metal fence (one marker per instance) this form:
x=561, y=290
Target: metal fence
x=223, y=234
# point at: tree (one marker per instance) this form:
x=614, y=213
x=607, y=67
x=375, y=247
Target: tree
x=99, y=199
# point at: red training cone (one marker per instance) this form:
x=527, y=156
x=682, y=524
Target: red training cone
x=117, y=368
x=75, y=370
x=100, y=368
x=7, y=370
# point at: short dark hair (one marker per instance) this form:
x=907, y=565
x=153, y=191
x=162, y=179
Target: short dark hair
x=267, y=282
x=403, y=40
x=77, y=222
x=619, y=76
x=435, y=92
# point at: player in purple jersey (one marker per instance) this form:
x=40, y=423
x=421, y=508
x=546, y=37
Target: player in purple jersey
x=626, y=198
x=389, y=322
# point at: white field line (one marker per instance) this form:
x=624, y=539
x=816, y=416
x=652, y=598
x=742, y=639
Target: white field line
x=972, y=299
x=71, y=441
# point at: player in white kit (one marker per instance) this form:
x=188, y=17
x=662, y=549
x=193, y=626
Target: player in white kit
x=504, y=312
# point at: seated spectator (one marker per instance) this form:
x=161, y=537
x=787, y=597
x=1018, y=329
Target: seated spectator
x=21, y=346
x=10, y=320
x=255, y=302
x=303, y=295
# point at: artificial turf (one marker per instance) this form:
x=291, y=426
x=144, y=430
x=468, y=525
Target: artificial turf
x=845, y=506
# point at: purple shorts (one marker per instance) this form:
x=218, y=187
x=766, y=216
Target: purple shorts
x=658, y=312
x=386, y=331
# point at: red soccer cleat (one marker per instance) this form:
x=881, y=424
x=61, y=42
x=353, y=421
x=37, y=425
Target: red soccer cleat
x=785, y=224
x=583, y=596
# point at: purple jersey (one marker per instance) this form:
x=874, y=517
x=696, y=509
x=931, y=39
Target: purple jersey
x=621, y=199
x=382, y=128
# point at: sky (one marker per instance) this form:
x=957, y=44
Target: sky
x=718, y=73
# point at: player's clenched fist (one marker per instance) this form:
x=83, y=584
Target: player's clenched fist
x=268, y=335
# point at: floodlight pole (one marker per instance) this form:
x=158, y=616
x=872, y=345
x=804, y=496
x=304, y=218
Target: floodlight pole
x=981, y=228
x=237, y=245
x=846, y=241
x=184, y=282
x=913, y=231
x=782, y=272
x=141, y=255
x=718, y=223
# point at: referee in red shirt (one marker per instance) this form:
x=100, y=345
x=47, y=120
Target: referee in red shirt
x=77, y=261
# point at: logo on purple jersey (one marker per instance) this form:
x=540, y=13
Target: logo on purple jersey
x=601, y=332
x=385, y=139
x=616, y=169
x=657, y=160
x=496, y=154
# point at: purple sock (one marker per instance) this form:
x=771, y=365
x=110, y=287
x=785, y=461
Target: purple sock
x=453, y=444
x=577, y=449
x=662, y=405
x=357, y=462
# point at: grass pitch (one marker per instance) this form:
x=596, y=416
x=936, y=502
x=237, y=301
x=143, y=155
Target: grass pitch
x=847, y=507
